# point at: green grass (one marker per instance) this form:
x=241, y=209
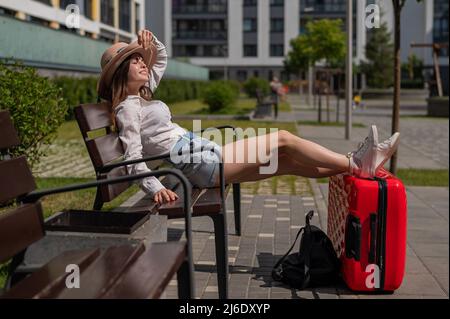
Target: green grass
x=417, y=177
x=424, y=177
x=241, y=107
x=82, y=199
x=337, y=124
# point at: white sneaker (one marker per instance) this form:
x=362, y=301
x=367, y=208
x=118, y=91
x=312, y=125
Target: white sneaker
x=386, y=149
x=363, y=160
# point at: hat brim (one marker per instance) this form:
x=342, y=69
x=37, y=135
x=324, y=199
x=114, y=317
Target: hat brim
x=104, y=84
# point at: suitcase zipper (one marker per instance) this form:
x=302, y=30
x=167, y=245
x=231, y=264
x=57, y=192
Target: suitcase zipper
x=381, y=231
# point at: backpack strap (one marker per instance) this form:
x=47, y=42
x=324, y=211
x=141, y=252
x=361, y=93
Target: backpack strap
x=290, y=249
x=307, y=229
x=307, y=242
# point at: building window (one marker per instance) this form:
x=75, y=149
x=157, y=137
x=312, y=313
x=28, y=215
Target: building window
x=323, y=6
x=250, y=50
x=88, y=9
x=250, y=25
x=250, y=3
x=242, y=75
x=276, y=50
x=256, y=73
x=276, y=25
x=107, y=12
x=277, y=3
x=48, y=2
x=440, y=24
x=137, y=21
x=125, y=15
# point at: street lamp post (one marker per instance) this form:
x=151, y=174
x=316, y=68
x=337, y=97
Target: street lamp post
x=348, y=71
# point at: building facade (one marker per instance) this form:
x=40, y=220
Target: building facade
x=238, y=39
x=40, y=33
x=241, y=38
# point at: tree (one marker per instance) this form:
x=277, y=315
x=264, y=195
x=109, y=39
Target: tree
x=380, y=58
x=323, y=40
x=398, y=6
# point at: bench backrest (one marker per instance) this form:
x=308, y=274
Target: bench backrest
x=102, y=143
x=21, y=225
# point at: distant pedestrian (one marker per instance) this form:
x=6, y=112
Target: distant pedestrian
x=276, y=88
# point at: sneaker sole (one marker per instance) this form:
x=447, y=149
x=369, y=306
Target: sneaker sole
x=374, y=149
x=390, y=153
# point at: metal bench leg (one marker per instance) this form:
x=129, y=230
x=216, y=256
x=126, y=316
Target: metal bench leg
x=221, y=240
x=237, y=207
x=184, y=281
x=98, y=203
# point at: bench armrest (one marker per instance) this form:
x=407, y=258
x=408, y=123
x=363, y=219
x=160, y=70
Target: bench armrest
x=108, y=167
x=216, y=127
x=36, y=195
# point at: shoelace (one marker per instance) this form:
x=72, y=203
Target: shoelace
x=362, y=146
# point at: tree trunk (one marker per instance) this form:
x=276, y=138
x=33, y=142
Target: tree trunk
x=397, y=79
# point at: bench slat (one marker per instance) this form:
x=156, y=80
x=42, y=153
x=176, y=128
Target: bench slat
x=105, y=149
x=16, y=179
x=205, y=202
x=109, y=192
x=93, y=116
x=8, y=134
x=19, y=228
x=151, y=273
x=104, y=272
x=50, y=279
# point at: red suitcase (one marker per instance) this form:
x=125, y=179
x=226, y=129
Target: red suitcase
x=367, y=225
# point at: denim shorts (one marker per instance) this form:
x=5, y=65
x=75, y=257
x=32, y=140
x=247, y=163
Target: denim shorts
x=198, y=158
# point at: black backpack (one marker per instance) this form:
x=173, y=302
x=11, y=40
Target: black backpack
x=316, y=263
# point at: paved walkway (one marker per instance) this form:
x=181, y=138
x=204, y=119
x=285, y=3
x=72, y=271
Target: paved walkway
x=270, y=223
x=423, y=141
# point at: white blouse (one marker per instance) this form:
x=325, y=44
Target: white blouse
x=146, y=127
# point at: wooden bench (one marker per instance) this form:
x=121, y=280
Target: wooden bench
x=126, y=271
x=106, y=153
x=263, y=105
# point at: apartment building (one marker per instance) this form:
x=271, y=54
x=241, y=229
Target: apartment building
x=241, y=38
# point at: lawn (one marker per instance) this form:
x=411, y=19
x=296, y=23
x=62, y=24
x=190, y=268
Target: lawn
x=338, y=124
x=418, y=177
x=241, y=107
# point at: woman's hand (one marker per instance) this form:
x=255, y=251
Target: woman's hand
x=145, y=38
x=165, y=195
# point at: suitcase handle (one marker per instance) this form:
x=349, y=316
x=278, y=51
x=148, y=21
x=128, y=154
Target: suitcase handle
x=353, y=238
x=373, y=237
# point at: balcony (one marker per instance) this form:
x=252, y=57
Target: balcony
x=201, y=35
x=323, y=9
x=200, y=9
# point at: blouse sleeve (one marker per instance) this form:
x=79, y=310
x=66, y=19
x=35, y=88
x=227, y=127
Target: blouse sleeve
x=128, y=121
x=160, y=65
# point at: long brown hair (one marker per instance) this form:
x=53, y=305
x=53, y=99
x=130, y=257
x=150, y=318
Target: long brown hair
x=119, y=87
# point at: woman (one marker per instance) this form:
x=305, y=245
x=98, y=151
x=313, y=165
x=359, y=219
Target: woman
x=130, y=75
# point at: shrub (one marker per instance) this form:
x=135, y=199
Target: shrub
x=36, y=107
x=219, y=95
x=77, y=91
x=254, y=83
x=171, y=90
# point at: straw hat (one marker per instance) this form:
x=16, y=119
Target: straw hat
x=114, y=56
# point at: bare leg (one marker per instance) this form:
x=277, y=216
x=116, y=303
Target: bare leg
x=311, y=159
x=287, y=166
